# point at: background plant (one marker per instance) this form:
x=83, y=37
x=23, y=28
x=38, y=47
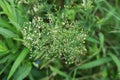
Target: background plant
x=100, y=17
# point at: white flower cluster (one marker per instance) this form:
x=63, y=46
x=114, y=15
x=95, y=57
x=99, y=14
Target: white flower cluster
x=57, y=39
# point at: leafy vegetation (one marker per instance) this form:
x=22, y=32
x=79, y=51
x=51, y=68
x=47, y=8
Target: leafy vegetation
x=59, y=40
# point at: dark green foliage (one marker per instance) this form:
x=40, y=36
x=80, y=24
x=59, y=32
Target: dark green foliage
x=60, y=20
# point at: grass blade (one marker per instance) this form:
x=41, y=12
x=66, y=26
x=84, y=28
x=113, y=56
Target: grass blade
x=7, y=33
x=94, y=63
x=101, y=36
x=116, y=60
x=19, y=59
x=26, y=68
x=58, y=71
x=9, y=10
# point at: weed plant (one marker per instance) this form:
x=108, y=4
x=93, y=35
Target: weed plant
x=59, y=40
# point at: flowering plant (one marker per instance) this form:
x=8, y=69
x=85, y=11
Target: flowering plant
x=59, y=40
x=58, y=37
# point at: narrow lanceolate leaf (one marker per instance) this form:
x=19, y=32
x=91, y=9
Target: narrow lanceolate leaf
x=93, y=40
x=7, y=33
x=116, y=60
x=101, y=40
x=94, y=63
x=23, y=71
x=58, y=71
x=19, y=59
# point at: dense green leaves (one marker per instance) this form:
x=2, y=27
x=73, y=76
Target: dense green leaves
x=10, y=11
x=99, y=18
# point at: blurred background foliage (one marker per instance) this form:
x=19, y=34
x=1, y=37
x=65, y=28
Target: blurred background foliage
x=99, y=17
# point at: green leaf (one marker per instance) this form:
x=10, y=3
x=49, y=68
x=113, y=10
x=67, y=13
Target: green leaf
x=74, y=74
x=4, y=23
x=116, y=60
x=19, y=59
x=101, y=40
x=94, y=63
x=23, y=71
x=3, y=48
x=91, y=39
x=5, y=67
x=58, y=71
x=7, y=33
x=4, y=59
x=6, y=8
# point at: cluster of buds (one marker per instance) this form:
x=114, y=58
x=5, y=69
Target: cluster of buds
x=57, y=39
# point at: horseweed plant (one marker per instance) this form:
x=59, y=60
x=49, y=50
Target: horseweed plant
x=55, y=40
